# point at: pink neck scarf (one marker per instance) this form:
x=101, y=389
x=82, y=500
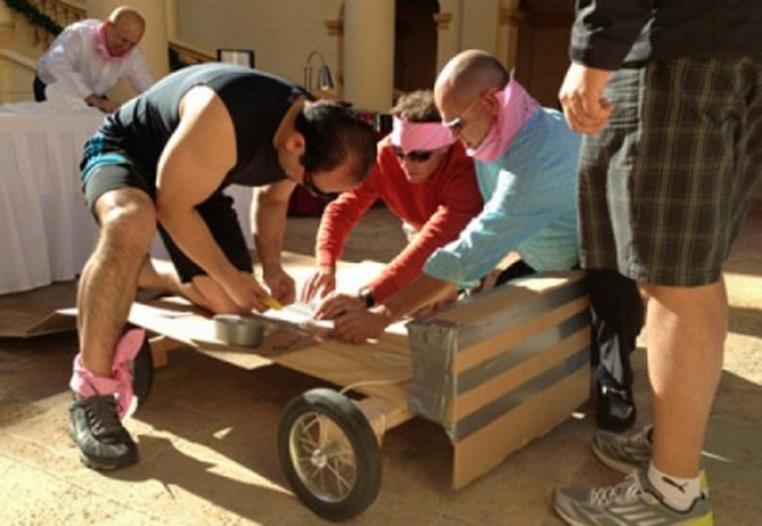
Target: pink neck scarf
x=99, y=34
x=412, y=136
x=516, y=107
x=86, y=384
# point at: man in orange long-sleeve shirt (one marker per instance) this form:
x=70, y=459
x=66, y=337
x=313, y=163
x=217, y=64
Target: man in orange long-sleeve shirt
x=424, y=177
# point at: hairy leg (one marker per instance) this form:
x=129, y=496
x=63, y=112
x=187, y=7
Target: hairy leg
x=686, y=329
x=107, y=286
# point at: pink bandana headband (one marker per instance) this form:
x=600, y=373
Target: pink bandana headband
x=426, y=136
x=99, y=34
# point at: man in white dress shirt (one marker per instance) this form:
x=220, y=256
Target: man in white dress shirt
x=91, y=56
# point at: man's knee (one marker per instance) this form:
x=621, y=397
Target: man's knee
x=127, y=218
x=675, y=293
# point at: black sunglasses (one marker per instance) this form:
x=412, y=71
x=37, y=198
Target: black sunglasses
x=309, y=184
x=416, y=156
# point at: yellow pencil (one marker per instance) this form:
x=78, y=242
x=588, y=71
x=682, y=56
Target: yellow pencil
x=273, y=303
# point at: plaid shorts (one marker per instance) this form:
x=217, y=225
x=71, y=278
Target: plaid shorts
x=664, y=189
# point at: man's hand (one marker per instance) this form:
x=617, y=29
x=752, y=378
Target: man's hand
x=101, y=102
x=320, y=284
x=337, y=304
x=449, y=298
x=581, y=96
x=282, y=286
x=245, y=291
x=357, y=326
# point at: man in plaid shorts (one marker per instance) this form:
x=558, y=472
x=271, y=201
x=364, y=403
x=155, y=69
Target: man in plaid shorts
x=670, y=97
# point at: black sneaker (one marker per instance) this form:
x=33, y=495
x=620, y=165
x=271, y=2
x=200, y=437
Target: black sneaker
x=614, y=408
x=102, y=440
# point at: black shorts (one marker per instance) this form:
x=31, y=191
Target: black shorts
x=103, y=171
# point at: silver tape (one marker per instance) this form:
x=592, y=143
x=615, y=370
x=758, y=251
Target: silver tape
x=434, y=344
x=497, y=408
x=242, y=331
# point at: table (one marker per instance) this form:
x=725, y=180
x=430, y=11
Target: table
x=46, y=232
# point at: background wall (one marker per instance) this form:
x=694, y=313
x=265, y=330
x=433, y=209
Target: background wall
x=282, y=33
x=542, y=60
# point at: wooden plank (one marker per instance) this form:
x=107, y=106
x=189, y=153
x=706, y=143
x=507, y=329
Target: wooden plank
x=472, y=400
x=369, y=369
x=383, y=415
x=488, y=447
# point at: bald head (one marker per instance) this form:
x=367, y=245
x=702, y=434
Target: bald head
x=468, y=74
x=124, y=29
x=127, y=15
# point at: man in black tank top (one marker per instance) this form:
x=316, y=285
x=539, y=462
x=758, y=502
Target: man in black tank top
x=161, y=162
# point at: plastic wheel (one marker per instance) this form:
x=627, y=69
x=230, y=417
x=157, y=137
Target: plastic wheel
x=329, y=454
x=142, y=373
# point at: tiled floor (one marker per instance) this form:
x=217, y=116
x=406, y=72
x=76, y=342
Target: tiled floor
x=208, y=433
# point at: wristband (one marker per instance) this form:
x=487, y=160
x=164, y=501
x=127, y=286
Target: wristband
x=367, y=296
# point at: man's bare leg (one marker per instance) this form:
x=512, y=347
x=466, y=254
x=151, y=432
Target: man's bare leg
x=107, y=286
x=686, y=329
x=204, y=291
x=158, y=275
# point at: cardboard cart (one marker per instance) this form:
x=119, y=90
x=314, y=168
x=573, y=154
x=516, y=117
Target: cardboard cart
x=495, y=371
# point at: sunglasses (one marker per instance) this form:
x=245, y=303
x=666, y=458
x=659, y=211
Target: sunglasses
x=309, y=184
x=456, y=124
x=416, y=156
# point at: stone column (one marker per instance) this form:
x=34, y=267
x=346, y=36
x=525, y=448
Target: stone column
x=369, y=53
x=171, y=17
x=448, y=22
x=154, y=43
x=507, y=33
x=479, y=26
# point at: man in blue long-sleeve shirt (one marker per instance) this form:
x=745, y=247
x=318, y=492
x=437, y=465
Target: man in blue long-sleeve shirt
x=526, y=163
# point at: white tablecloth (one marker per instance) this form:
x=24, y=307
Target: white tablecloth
x=46, y=232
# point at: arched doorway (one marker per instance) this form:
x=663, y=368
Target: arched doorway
x=415, y=49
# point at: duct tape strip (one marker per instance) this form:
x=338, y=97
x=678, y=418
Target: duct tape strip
x=494, y=410
x=243, y=331
x=513, y=356
x=432, y=347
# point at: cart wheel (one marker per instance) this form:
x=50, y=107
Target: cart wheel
x=142, y=372
x=329, y=454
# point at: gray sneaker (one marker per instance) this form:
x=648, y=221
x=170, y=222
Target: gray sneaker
x=623, y=453
x=632, y=502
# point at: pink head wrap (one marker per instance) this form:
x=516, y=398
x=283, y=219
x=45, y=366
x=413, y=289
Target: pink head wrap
x=99, y=34
x=412, y=136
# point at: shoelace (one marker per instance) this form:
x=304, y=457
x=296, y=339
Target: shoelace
x=102, y=415
x=626, y=491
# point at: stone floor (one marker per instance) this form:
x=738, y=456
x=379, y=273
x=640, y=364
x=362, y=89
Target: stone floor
x=207, y=434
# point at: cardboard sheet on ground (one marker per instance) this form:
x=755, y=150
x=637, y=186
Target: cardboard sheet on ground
x=45, y=311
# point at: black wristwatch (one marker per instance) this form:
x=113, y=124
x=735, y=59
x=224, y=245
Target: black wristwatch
x=367, y=296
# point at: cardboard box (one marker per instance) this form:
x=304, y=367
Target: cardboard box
x=503, y=368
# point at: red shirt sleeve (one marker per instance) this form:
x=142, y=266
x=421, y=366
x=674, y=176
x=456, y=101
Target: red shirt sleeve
x=460, y=201
x=341, y=216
